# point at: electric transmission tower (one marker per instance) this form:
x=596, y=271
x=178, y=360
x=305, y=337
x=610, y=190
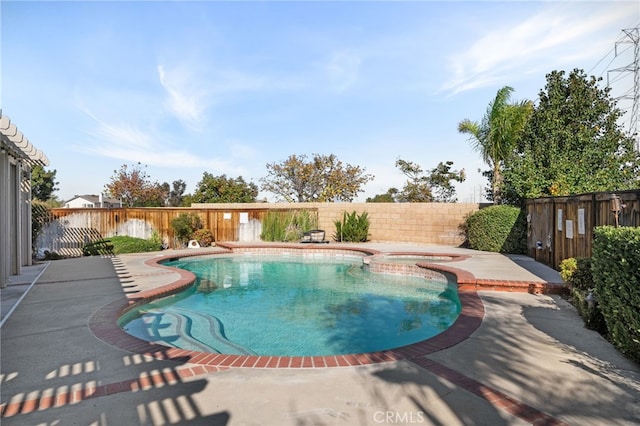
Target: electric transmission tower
x=632, y=36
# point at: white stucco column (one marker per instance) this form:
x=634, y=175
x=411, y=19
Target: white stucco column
x=17, y=156
x=5, y=213
x=26, y=215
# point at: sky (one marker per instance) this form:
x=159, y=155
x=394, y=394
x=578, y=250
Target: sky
x=227, y=87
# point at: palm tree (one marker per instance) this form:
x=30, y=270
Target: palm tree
x=496, y=137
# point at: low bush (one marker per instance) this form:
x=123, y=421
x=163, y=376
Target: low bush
x=501, y=229
x=576, y=272
x=156, y=239
x=123, y=244
x=616, y=274
x=184, y=225
x=204, y=237
x=97, y=248
x=352, y=228
x=567, y=268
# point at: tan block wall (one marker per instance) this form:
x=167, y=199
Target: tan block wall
x=428, y=223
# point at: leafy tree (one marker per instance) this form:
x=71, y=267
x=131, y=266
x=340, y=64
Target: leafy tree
x=436, y=185
x=388, y=197
x=187, y=199
x=132, y=185
x=43, y=183
x=323, y=178
x=496, y=136
x=573, y=143
x=220, y=189
x=175, y=193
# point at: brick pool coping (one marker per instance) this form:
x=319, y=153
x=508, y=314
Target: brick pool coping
x=104, y=323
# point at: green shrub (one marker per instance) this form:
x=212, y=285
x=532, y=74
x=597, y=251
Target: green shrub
x=97, y=248
x=567, y=268
x=616, y=273
x=184, y=225
x=576, y=272
x=124, y=244
x=352, y=228
x=500, y=229
x=204, y=237
x=287, y=225
x=156, y=239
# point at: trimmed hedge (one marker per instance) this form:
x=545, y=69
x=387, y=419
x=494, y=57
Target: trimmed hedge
x=500, y=229
x=615, y=265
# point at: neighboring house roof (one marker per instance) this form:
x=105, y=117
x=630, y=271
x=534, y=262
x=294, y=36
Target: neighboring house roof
x=95, y=199
x=18, y=145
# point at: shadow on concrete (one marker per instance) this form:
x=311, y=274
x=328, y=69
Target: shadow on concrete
x=529, y=347
x=54, y=370
x=536, y=268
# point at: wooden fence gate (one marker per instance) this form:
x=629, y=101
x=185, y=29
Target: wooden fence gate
x=562, y=227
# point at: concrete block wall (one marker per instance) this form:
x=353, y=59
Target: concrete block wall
x=428, y=223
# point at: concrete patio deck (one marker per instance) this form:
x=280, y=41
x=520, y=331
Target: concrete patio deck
x=529, y=361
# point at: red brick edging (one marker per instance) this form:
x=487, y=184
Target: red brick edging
x=104, y=322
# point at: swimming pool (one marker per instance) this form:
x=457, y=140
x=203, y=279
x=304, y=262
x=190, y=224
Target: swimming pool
x=295, y=306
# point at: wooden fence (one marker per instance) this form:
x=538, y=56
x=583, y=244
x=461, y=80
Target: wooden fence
x=68, y=230
x=562, y=227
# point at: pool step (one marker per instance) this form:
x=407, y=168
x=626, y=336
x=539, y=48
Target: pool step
x=194, y=331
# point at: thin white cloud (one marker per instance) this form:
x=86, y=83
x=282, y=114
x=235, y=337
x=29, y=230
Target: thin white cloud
x=125, y=135
x=192, y=89
x=342, y=70
x=185, y=101
x=558, y=36
x=131, y=144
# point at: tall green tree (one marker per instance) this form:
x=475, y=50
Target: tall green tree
x=496, y=136
x=573, y=143
x=220, y=189
x=387, y=197
x=323, y=178
x=43, y=183
x=435, y=185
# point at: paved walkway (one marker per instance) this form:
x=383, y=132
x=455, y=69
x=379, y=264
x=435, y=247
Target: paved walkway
x=529, y=361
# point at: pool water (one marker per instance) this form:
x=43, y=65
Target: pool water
x=295, y=306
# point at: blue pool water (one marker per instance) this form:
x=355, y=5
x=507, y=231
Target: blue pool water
x=295, y=306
